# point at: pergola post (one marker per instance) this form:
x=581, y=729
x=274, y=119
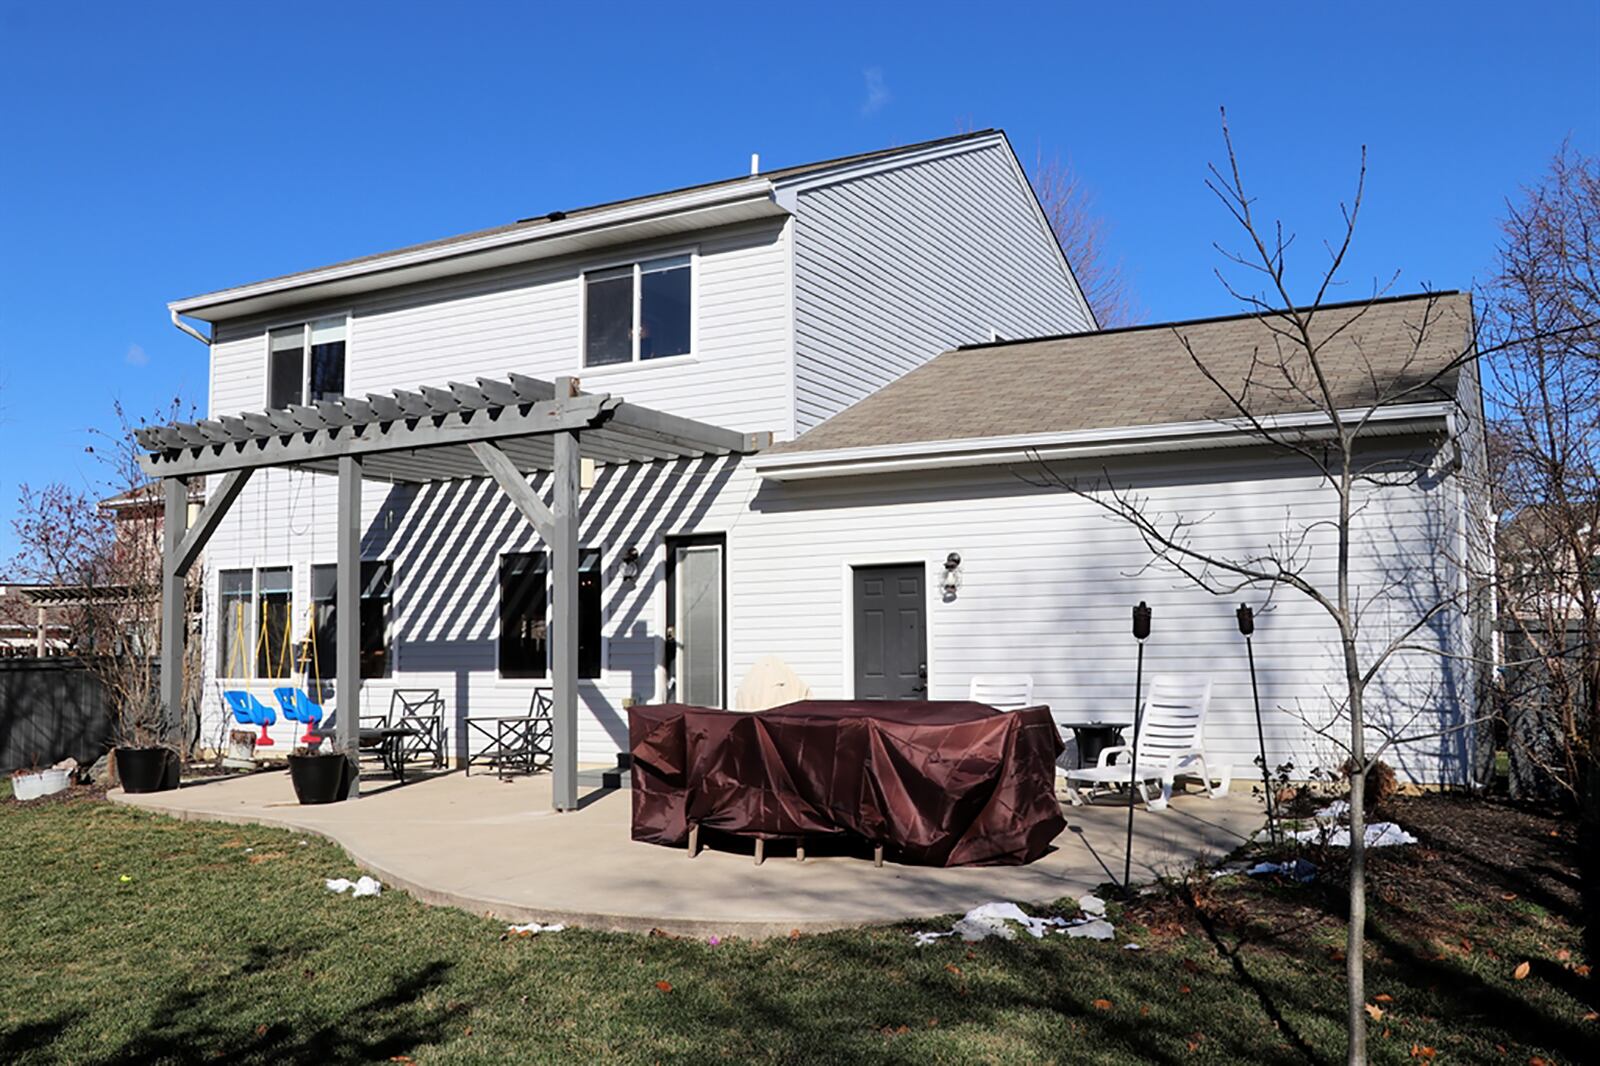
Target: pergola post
x=174, y=627
x=347, y=612
x=564, y=613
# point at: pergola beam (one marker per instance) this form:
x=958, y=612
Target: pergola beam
x=514, y=485
x=347, y=616
x=181, y=558
x=302, y=445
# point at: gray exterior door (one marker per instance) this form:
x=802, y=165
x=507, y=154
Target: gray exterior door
x=891, y=633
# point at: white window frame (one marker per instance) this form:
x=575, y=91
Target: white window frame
x=637, y=262
x=253, y=636
x=305, y=323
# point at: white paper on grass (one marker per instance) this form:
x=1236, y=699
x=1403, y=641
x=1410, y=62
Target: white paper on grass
x=365, y=886
x=1000, y=920
x=1377, y=835
x=534, y=928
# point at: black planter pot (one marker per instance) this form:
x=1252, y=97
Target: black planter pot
x=147, y=769
x=320, y=778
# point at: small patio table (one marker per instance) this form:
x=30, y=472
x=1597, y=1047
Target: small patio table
x=390, y=744
x=1093, y=737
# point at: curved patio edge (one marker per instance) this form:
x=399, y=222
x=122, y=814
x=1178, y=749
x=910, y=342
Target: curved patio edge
x=499, y=852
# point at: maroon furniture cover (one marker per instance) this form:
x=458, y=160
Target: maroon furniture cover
x=940, y=784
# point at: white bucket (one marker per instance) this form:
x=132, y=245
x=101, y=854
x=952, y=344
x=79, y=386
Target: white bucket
x=35, y=785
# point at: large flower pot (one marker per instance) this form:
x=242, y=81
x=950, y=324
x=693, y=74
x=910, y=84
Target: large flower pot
x=320, y=778
x=147, y=769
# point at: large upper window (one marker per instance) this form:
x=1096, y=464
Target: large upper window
x=639, y=311
x=253, y=637
x=377, y=581
x=305, y=363
x=524, y=614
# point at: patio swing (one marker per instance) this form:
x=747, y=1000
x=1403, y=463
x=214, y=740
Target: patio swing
x=296, y=702
x=247, y=710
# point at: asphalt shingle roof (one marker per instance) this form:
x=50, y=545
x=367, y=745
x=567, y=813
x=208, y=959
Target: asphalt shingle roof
x=1144, y=376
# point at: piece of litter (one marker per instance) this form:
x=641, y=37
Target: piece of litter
x=1300, y=870
x=248, y=850
x=124, y=879
x=713, y=940
x=1377, y=835
x=1098, y=929
x=992, y=920
x=365, y=886
x=1131, y=947
x=534, y=928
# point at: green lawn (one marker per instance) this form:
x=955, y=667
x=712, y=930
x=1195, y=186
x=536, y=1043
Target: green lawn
x=129, y=937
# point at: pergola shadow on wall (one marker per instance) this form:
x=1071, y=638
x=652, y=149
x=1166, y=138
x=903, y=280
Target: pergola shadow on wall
x=503, y=428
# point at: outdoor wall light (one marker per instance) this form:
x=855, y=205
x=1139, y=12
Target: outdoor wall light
x=630, y=564
x=952, y=575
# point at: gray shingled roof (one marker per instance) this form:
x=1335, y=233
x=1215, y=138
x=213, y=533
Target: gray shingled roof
x=1144, y=376
x=535, y=221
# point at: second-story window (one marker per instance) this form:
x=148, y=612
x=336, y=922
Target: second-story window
x=638, y=311
x=305, y=363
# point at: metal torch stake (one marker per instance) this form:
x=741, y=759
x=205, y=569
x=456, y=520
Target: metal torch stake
x=1133, y=773
x=1261, y=742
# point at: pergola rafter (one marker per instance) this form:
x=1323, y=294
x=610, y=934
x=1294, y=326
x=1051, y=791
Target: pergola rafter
x=503, y=428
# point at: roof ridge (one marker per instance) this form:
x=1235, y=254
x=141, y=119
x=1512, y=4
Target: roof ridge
x=1235, y=317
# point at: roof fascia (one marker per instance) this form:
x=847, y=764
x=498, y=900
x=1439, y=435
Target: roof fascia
x=1091, y=443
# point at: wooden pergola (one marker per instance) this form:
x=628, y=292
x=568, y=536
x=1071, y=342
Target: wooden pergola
x=503, y=428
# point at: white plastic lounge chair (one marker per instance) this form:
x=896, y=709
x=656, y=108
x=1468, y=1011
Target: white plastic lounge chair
x=1171, y=734
x=1003, y=692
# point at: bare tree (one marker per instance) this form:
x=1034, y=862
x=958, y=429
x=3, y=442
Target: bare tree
x=1313, y=356
x=1081, y=231
x=102, y=548
x=1542, y=310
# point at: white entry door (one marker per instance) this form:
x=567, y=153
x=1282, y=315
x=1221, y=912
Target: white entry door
x=698, y=627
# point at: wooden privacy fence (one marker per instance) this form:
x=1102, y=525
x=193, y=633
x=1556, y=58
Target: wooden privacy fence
x=1531, y=729
x=51, y=708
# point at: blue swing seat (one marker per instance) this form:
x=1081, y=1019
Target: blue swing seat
x=247, y=710
x=299, y=707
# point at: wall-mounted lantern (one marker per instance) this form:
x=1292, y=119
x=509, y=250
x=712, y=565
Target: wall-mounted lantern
x=951, y=581
x=630, y=564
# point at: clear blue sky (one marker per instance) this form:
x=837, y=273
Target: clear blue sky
x=152, y=151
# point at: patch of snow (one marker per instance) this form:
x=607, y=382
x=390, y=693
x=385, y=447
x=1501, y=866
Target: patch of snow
x=1097, y=929
x=993, y=920
x=534, y=928
x=365, y=886
x=1300, y=870
x=1378, y=835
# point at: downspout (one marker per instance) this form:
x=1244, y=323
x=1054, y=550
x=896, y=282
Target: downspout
x=178, y=321
x=1464, y=620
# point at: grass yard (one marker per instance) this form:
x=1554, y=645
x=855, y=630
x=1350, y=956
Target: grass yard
x=129, y=937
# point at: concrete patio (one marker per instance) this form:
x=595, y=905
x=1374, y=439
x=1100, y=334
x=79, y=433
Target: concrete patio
x=495, y=847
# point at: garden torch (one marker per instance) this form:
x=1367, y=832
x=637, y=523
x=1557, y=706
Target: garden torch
x=1247, y=626
x=1141, y=630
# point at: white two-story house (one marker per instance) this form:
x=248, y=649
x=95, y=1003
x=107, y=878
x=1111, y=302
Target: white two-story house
x=895, y=550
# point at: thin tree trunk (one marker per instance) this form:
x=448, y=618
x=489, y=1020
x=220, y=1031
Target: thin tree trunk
x=1356, y=927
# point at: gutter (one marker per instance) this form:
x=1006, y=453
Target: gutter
x=1078, y=444
x=178, y=321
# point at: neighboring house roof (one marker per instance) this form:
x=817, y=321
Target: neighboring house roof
x=716, y=202
x=1144, y=376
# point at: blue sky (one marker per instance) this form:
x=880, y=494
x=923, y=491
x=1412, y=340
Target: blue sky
x=149, y=152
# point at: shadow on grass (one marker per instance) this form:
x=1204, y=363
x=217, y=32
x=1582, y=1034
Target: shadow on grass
x=390, y=1023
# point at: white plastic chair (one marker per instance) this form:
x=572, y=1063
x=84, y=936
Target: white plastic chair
x=1171, y=739
x=1003, y=692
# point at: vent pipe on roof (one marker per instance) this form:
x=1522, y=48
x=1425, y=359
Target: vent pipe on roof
x=755, y=163
x=190, y=330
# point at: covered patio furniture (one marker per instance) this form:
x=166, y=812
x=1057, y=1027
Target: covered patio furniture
x=937, y=783
x=1170, y=734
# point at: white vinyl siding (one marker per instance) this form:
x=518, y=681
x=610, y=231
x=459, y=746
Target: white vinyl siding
x=895, y=267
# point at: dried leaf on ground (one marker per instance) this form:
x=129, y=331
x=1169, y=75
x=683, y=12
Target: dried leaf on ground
x=1102, y=1004
x=1522, y=971
x=664, y=986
